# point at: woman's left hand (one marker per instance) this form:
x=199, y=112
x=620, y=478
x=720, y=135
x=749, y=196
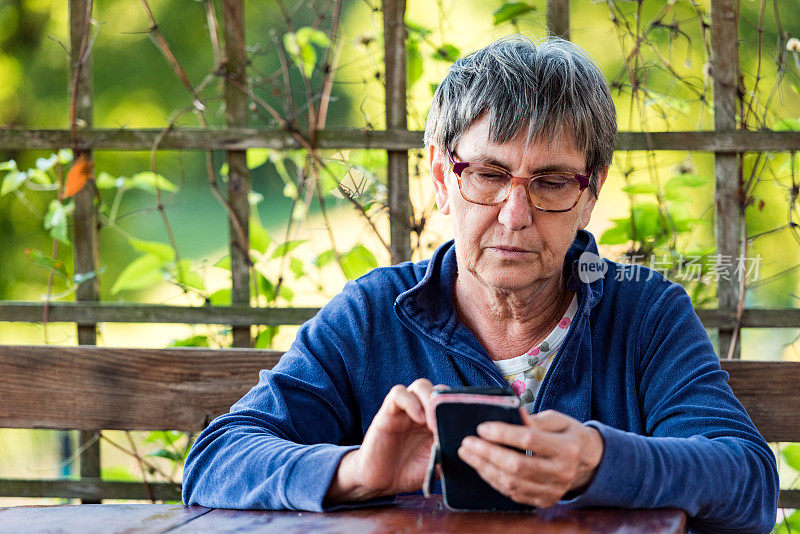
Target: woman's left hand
x=565, y=456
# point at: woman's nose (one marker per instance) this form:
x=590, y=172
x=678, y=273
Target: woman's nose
x=517, y=211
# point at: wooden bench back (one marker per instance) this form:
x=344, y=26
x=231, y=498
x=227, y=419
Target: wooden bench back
x=89, y=388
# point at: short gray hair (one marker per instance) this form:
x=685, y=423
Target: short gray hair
x=551, y=86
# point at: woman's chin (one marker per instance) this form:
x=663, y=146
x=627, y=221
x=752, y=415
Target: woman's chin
x=512, y=282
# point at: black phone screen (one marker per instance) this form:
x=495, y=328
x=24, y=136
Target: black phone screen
x=458, y=414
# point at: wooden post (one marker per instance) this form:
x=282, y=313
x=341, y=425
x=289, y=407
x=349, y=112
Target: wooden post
x=558, y=18
x=238, y=173
x=730, y=217
x=394, y=31
x=85, y=236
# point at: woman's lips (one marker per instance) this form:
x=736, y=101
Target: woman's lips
x=510, y=252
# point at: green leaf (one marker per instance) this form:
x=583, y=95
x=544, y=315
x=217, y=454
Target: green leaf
x=149, y=181
x=164, y=436
x=39, y=177
x=417, y=30
x=681, y=218
x=369, y=159
x=266, y=287
x=224, y=262
x=256, y=157
x=259, y=237
x=290, y=44
x=787, y=125
x=511, y=11
x=447, y=53
x=414, y=66
x=117, y=473
x=284, y=248
x=65, y=156
x=106, y=181
x=676, y=187
x=161, y=250
x=647, y=221
x=290, y=191
x=55, y=220
x=12, y=181
x=191, y=341
x=296, y=266
x=265, y=337
x=358, y=262
x=325, y=258
x=45, y=164
x=308, y=58
x=639, y=189
x=307, y=34
x=220, y=297
x=224, y=169
x=254, y=198
x=10, y=165
x=183, y=273
x=55, y=266
x=677, y=196
x=790, y=524
x=142, y=272
x=83, y=277
x=687, y=180
x=616, y=235
x=299, y=46
x=286, y=293
x=791, y=453
x=169, y=455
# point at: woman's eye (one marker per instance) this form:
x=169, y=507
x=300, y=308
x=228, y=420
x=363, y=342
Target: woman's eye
x=552, y=183
x=491, y=177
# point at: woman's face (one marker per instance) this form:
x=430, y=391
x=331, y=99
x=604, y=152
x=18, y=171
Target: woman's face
x=512, y=246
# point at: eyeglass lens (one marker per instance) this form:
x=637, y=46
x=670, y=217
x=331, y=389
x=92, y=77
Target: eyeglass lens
x=487, y=185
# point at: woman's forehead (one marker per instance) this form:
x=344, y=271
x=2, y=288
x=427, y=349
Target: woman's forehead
x=478, y=142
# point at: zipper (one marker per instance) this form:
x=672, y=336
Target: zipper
x=538, y=401
x=491, y=370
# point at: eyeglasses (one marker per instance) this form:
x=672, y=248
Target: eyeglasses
x=489, y=185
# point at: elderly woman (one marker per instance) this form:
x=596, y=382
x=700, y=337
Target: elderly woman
x=625, y=401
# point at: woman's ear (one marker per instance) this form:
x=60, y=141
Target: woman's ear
x=586, y=212
x=439, y=171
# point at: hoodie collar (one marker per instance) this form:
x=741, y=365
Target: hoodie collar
x=428, y=306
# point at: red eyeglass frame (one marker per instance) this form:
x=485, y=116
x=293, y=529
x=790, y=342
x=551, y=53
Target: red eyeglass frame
x=459, y=166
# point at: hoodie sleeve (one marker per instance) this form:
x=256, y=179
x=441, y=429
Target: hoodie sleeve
x=700, y=451
x=278, y=447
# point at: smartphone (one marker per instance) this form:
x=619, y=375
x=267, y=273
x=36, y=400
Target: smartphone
x=458, y=412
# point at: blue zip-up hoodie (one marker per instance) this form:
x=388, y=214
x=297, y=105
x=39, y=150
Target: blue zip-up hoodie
x=637, y=365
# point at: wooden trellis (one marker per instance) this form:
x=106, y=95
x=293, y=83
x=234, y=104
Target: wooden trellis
x=397, y=140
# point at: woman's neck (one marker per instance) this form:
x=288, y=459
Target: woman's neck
x=507, y=323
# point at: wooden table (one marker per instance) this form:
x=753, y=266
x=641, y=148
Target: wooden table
x=408, y=514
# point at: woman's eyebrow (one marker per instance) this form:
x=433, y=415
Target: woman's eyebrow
x=553, y=167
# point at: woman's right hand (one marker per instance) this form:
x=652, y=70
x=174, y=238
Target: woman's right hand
x=395, y=452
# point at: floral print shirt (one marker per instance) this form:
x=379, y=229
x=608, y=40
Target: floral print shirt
x=526, y=372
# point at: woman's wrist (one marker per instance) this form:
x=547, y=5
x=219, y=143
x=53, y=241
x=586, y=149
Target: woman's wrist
x=346, y=485
x=593, y=455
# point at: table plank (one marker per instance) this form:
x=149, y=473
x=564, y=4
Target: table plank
x=416, y=514
x=99, y=518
